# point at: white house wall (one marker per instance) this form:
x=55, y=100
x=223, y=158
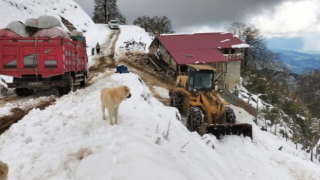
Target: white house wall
x=233, y=74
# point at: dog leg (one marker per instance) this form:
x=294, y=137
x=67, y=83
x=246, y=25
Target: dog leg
x=116, y=114
x=110, y=116
x=103, y=112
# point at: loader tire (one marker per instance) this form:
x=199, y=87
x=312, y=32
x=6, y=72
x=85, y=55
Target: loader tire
x=177, y=100
x=231, y=116
x=195, y=118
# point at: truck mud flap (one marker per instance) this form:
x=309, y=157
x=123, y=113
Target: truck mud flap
x=233, y=129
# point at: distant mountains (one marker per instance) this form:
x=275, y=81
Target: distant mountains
x=298, y=62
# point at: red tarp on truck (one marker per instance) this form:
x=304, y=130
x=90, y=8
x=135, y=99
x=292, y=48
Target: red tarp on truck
x=52, y=33
x=8, y=33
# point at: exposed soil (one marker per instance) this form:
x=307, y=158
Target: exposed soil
x=150, y=76
x=19, y=113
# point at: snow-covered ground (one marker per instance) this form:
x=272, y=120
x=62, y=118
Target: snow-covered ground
x=133, y=39
x=69, y=140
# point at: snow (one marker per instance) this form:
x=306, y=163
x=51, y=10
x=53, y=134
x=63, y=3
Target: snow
x=163, y=92
x=226, y=40
x=69, y=139
x=129, y=33
x=243, y=45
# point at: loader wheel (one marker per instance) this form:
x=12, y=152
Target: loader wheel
x=195, y=118
x=177, y=100
x=231, y=116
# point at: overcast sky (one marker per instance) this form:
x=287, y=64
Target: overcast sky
x=286, y=18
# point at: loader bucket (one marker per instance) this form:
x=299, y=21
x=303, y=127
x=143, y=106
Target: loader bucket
x=230, y=129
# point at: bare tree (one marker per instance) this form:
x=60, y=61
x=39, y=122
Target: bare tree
x=105, y=10
x=258, y=55
x=154, y=25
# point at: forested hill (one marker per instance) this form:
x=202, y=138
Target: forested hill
x=298, y=62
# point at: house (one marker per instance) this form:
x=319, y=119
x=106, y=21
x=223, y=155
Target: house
x=223, y=51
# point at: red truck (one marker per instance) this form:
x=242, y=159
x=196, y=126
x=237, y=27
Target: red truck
x=44, y=63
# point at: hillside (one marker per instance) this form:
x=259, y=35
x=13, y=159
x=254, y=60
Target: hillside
x=69, y=139
x=297, y=62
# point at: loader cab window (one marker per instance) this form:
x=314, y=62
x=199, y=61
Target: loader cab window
x=203, y=80
x=190, y=81
x=200, y=80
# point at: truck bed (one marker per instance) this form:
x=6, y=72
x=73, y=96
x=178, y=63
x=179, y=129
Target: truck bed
x=41, y=56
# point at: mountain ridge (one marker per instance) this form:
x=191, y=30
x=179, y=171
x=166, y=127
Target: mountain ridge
x=298, y=62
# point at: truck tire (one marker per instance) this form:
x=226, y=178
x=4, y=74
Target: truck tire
x=19, y=92
x=24, y=91
x=231, y=116
x=70, y=86
x=61, y=91
x=195, y=118
x=83, y=82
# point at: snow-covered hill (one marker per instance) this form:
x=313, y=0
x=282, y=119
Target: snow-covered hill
x=69, y=140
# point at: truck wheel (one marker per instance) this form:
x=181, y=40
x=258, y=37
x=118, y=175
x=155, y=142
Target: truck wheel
x=177, y=101
x=61, y=91
x=70, y=85
x=29, y=92
x=195, y=118
x=83, y=82
x=20, y=92
x=24, y=91
x=231, y=116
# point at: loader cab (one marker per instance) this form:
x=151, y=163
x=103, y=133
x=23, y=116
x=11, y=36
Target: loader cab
x=199, y=78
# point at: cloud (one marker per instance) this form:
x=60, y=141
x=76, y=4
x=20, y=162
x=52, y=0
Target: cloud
x=311, y=43
x=274, y=18
x=291, y=19
x=187, y=13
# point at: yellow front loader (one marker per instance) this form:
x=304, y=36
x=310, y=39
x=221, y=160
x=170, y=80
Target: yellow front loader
x=196, y=96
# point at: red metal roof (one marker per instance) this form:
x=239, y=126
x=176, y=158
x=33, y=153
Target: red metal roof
x=203, y=46
x=198, y=56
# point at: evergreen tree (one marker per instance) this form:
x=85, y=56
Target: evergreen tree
x=154, y=25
